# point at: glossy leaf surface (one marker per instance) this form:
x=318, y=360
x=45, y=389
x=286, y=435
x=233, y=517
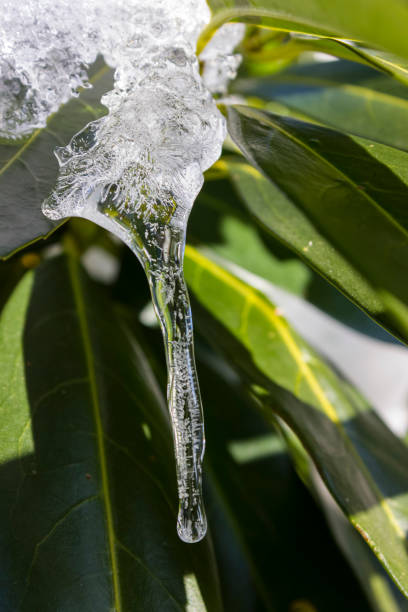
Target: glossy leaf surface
x=380, y=60
x=373, y=22
x=360, y=460
x=344, y=95
x=28, y=168
x=381, y=592
x=260, y=494
x=339, y=202
x=88, y=505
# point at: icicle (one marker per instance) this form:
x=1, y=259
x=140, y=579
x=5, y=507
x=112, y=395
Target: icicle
x=164, y=270
x=159, y=247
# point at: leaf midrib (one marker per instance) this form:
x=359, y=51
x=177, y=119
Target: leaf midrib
x=19, y=153
x=37, y=132
x=225, y=15
x=326, y=162
x=372, y=56
x=96, y=411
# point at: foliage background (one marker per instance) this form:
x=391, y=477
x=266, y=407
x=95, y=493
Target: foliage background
x=308, y=204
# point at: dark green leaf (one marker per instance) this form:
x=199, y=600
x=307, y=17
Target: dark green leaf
x=28, y=168
x=219, y=224
x=360, y=460
x=380, y=590
x=349, y=97
x=88, y=504
x=339, y=202
x=261, y=496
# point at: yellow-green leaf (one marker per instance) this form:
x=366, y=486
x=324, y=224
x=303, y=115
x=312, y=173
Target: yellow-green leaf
x=360, y=460
x=373, y=22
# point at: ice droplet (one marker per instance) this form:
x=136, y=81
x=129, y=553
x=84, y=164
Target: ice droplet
x=137, y=170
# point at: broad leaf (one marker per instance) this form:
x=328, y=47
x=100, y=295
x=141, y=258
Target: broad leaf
x=219, y=224
x=219, y=221
x=382, y=594
x=259, y=498
x=339, y=202
x=378, y=586
x=267, y=51
x=373, y=22
x=386, y=62
x=360, y=460
x=28, y=168
x=349, y=97
x=88, y=504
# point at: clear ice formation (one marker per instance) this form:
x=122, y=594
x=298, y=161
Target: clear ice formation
x=42, y=60
x=137, y=170
x=220, y=63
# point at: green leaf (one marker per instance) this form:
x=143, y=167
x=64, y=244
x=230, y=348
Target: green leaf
x=279, y=215
x=88, y=504
x=380, y=590
x=373, y=22
x=219, y=221
x=266, y=53
x=360, y=460
x=220, y=226
x=28, y=168
x=386, y=62
x=339, y=202
x=257, y=500
x=349, y=97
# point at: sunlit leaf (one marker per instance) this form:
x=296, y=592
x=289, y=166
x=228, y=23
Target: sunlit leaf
x=349, y=97
x=360, y=460
x=373, y=22
x=339, y=202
